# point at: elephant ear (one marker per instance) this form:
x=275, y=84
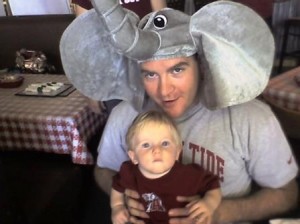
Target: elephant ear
x=237, y=49
x=94, y=67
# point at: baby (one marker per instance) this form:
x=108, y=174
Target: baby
x=154, y=146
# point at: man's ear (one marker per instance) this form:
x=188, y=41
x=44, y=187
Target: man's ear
x=131, y=155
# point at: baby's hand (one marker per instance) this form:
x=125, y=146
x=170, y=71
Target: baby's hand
x=119, y=214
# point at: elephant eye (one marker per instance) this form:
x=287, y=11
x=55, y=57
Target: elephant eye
x=160, y=21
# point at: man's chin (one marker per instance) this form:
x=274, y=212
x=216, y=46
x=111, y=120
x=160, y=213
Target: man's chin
x=172, y=113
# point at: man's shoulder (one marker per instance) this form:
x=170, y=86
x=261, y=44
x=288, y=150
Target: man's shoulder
x=254, y=112
x=253, y=107
x=123, y=108
x=121, y=116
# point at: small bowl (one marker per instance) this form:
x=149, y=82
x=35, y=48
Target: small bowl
x=11, y=81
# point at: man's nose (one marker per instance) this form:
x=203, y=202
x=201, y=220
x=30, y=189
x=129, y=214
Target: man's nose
x=165, y=87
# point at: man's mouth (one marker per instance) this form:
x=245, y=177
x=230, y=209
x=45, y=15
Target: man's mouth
x=169, y=103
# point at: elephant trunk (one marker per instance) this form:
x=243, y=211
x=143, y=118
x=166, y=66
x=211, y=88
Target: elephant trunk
x=123, y=28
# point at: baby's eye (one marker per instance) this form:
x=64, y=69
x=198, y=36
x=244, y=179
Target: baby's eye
x=165, y=143
x=146, y=145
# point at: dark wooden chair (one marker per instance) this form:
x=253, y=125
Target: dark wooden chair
x=291, y=29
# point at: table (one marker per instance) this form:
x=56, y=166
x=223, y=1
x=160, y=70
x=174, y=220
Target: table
x=283, y=95
x=61, y=125
x=284, y=90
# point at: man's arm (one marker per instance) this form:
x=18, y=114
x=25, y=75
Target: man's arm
x=103, y=177
x=79, y=10
x=261, y=205
x=158, y=4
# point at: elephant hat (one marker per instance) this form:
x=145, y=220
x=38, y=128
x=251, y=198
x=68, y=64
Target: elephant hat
x=101, y=50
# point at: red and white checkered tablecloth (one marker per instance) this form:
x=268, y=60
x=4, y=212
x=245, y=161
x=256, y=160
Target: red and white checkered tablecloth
x=62, y=125
x=284, y=90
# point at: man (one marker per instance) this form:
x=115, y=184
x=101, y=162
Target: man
x=205, y=75
x=173, y=86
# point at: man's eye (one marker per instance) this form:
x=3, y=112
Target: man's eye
x=177, y=70
x=150, y=75
x=165, y=143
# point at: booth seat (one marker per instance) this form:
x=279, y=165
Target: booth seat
x=36, y=32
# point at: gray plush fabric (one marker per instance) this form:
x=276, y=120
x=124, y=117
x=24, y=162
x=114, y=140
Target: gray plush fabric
x=101, y=50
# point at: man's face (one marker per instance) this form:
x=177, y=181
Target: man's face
x=172, y=83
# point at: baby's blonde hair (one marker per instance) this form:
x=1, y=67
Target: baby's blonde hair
x=151, y=116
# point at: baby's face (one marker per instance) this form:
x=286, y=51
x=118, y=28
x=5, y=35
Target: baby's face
x=155, y=150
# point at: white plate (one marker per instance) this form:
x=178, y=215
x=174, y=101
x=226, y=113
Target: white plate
x=47, y=94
